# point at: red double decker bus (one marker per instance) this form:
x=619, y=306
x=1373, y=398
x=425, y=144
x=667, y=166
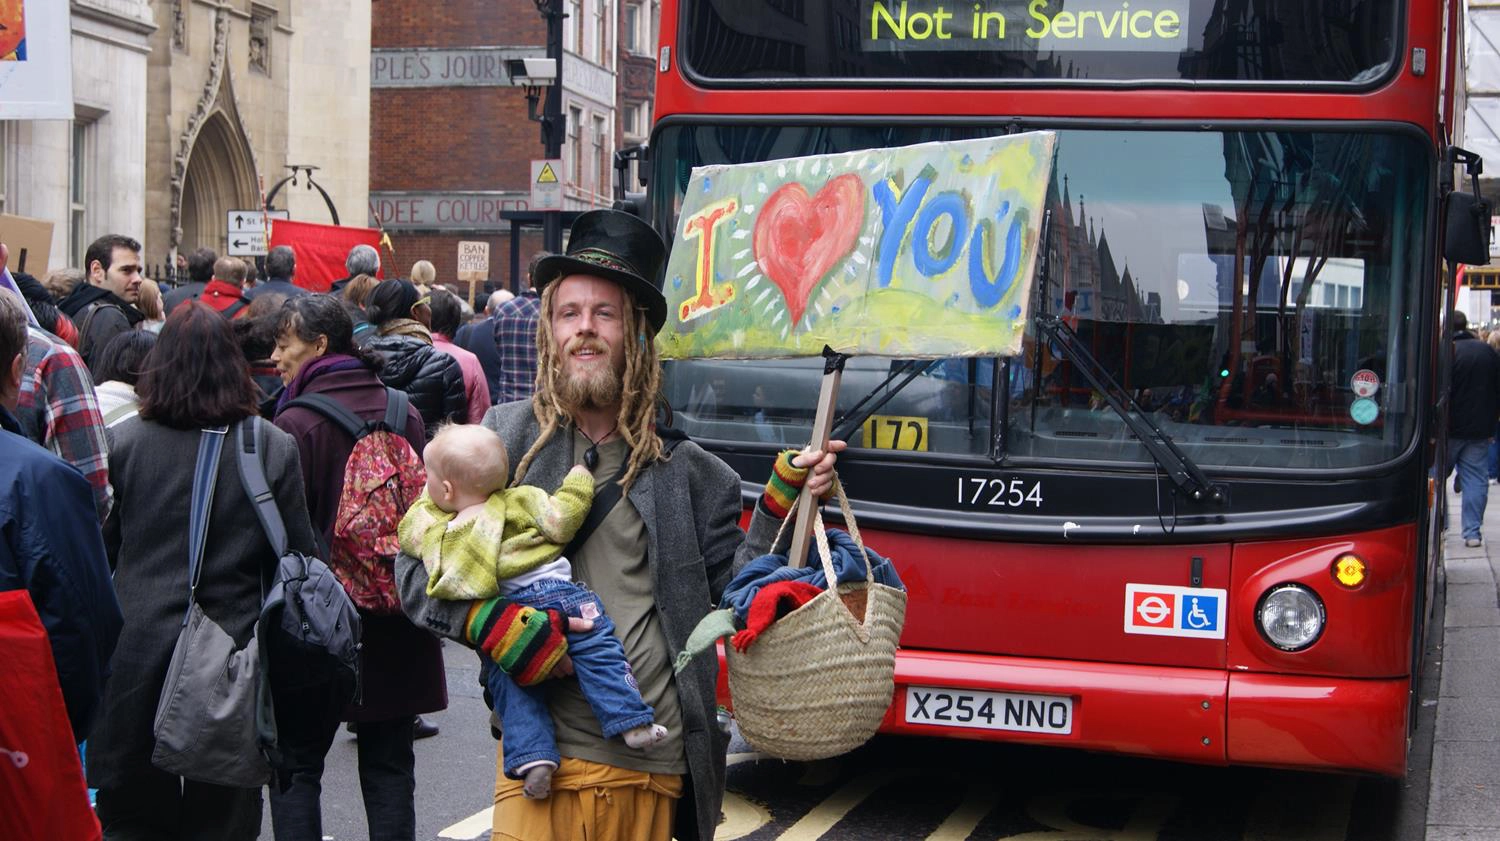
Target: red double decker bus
x=1193, y=519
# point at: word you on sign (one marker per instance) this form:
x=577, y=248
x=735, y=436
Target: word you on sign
x=918, y=251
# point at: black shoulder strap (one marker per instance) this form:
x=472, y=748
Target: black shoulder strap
x=607, y=497
x=335, y=411
x=396, y=403
x=233, y=309
x=253, y=478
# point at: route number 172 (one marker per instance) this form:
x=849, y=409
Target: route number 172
x=999, y=493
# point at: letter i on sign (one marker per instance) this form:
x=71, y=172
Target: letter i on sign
x=701, y=227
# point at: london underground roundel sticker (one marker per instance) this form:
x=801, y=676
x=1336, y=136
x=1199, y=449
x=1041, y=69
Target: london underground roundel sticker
x=1365, y=383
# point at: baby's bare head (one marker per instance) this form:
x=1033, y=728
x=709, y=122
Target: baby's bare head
x=469, y=456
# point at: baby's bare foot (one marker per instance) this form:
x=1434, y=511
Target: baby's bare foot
x=538, y=785
x=644, y=736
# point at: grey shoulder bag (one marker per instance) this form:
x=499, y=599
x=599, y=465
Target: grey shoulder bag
x=205, y=723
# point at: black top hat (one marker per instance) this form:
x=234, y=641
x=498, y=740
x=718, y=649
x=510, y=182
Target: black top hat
x=617, y=246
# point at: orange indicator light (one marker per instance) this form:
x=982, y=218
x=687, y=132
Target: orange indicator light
x=1349, y=570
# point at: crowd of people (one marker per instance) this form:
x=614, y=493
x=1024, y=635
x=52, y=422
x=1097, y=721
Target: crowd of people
x=107, y=388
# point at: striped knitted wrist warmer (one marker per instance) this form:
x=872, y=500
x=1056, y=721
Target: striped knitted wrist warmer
x=523, y=641
x=786, y=482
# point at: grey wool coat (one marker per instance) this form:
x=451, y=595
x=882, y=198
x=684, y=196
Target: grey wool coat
x=146, y=538
x=691, y=506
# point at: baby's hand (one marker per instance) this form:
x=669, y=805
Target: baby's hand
x=579, y=471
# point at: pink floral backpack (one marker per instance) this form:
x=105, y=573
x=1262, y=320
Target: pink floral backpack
x=382, y=478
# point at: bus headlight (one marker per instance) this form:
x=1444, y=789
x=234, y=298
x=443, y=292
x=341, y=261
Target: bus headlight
x=1290, y=616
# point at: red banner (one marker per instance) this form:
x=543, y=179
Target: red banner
x=321, y=250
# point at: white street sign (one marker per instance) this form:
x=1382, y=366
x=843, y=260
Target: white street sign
x=246, y=231
x=546, y=184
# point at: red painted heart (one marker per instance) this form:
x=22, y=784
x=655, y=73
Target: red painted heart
x=798, y=239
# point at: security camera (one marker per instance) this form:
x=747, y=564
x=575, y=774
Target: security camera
x=532, y=72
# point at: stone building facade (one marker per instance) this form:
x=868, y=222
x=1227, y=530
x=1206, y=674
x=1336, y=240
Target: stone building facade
x=240, y=90
x=86, y=176
x=185, y=110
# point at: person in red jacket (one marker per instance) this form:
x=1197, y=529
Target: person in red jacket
x=225, y=293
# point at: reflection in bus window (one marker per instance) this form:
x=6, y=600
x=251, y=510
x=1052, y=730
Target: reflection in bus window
x=1234, y=283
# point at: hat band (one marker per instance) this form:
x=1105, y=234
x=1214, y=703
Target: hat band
x=603, y=259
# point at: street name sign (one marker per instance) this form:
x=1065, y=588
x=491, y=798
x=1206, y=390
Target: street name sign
x=245, y=231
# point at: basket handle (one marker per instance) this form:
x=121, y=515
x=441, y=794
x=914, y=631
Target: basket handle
x=825, y=555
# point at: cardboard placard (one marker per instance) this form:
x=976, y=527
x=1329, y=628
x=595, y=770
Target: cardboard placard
x=923, y=251
x=30, y=243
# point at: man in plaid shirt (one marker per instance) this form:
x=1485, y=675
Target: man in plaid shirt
x=58, y=410
x=515, y=338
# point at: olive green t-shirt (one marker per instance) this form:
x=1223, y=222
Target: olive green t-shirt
x=613, y=564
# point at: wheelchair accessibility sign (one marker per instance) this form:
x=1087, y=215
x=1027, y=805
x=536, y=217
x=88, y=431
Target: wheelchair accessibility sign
x=1165, y=611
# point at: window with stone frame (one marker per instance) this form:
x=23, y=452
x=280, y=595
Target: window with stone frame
x=80, y=170
x=575, y=139
x=601, y=155
x=577, y=31
x=601, y=34
x=635, y=20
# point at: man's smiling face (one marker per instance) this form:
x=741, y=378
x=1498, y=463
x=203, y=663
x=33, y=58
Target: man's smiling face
x=588, y=325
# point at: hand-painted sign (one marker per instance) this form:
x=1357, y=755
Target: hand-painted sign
x=919, y=251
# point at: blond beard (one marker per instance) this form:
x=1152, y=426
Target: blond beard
x=601, y=389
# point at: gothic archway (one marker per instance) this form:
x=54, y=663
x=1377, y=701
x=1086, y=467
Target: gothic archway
x=220, y=178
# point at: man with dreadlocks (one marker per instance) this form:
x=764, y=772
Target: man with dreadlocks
x=663, y=547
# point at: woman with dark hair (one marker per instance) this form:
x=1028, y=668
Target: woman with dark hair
x=433, y=379
x=256, y=335
x=401, y=665
x=194, y=379
x=120, y=367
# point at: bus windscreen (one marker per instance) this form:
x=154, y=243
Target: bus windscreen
x=1251, y=290
x=1330, y=42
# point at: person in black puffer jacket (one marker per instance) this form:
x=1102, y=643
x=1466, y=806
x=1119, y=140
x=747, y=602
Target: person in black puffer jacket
x=431, y=378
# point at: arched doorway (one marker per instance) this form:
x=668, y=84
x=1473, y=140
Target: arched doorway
x=220, y=178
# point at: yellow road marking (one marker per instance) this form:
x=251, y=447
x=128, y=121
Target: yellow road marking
x=832, y=810
x=961, y=822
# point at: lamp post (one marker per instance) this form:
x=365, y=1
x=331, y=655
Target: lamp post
x=554, y=125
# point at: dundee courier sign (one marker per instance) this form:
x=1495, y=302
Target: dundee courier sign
x=472, y=211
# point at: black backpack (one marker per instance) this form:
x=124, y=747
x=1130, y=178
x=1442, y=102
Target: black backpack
x=309, y=628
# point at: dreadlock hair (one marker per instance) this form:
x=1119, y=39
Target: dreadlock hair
x=640, y=389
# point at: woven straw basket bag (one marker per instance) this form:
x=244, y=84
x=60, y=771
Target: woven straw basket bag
x=817, y=682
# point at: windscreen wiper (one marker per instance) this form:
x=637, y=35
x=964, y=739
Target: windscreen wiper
x=859, y=413
x=1184, y=473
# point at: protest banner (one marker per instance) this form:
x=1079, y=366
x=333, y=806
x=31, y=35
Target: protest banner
x=918, y=251
x=321, y=250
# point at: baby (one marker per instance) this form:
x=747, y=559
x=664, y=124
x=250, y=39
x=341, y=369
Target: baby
x=479, y=539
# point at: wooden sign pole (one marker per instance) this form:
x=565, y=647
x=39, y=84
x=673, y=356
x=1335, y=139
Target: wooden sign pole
x=828, y=395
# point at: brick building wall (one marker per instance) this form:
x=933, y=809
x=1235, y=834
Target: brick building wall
x=440, y=142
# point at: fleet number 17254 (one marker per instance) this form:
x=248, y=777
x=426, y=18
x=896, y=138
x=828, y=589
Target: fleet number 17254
x=999, y=492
